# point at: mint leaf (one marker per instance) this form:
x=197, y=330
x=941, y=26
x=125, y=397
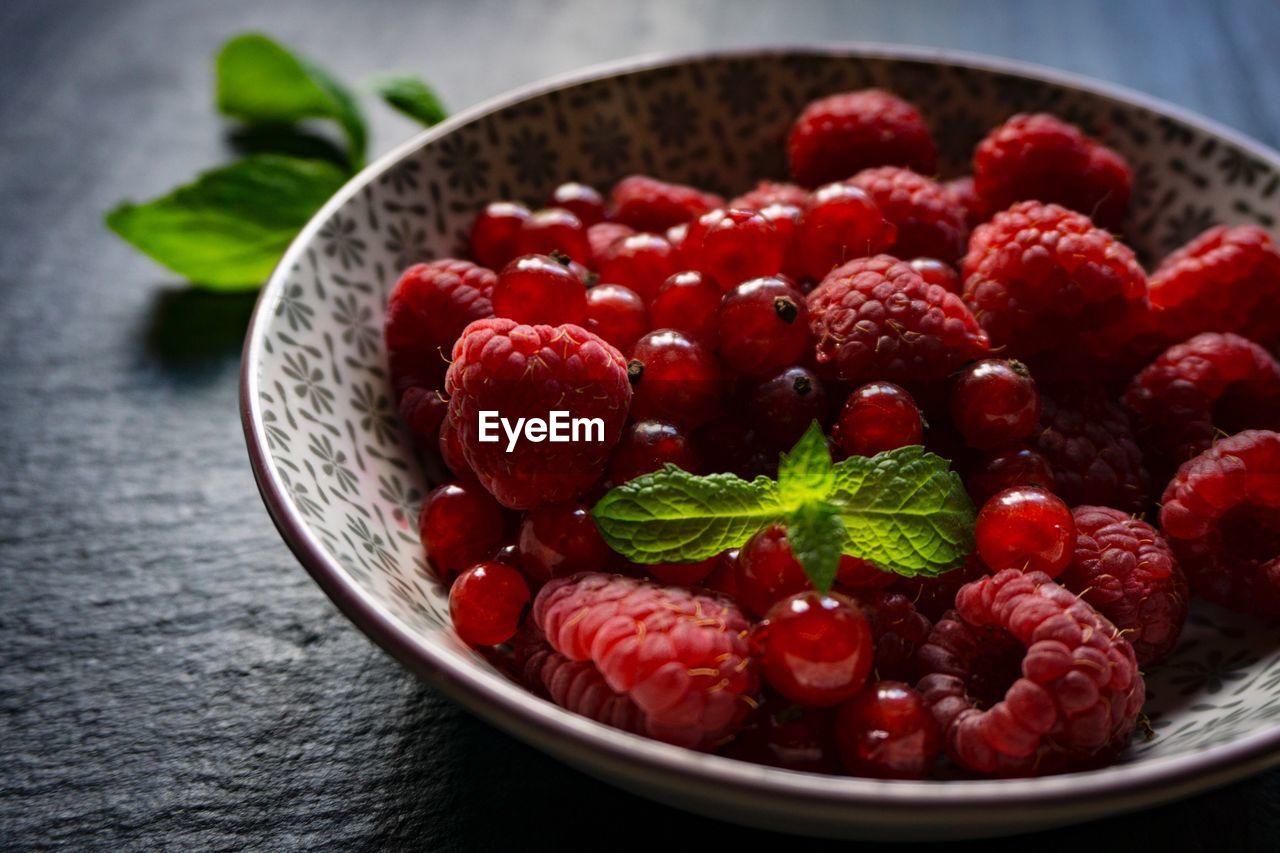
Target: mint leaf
x=673, y=516
x=805, y=473
x=228, y=229
x=904, y=510
x=261, y=82
x=816, y=533
x=411, y=96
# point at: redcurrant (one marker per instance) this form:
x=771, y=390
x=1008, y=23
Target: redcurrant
x=553, y=229
x=558, y=540
x=540, y=289
x=842, y=223
x=641, y=262
x=763, y=326
x=687, y=302
x=782, y=408
x=676, y=379
x=493, y=235
x=646, y=446
x=1025, y=528
x=583, y=201
x=994, y=402
x=877, y=417
x=732, y=246
x=888, y=732
x=815, y=649
x=617, y=314
x=486, y=603
x=461, y=525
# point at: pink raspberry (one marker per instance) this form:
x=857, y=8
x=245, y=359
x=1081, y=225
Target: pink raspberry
x=682, y=657
x=899, y=630
x=528, y=372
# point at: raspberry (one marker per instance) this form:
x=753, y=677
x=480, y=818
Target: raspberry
x=582, y=201
x=1091, y=449
x=1225, y=280
x=641, y=262
x=768, y=193
x=1025, y=528
x=934, y=271
x=646, y=446
x=975, y=211
x=841, y=222
x=1126, y=570
x=929, y=220
x=1221, y=514
x=540, y=289
x=781, y=408
x=553, y=230
x=559, y=540
x=836, y=136
x=683, y=658
x=528, y=371
x=676, y=379
x=601, y=236
x=814, y=648
x=688, y=303
x=1025, y=678
x=493, y=235
x=460, y=525
x=877, y=417
x=579, y=687
x=888, y=732
x=994, y=402
x=1004, y=469
x=732, y=246
x=1040, y=277
x=762, y=327
x=486, y=603
x=423, y=408
x=617, y=314
x=428, y=308
x=1213, y=383
x=899, y=630
x=1041, y=157
x=875, y=318
x=647, y=204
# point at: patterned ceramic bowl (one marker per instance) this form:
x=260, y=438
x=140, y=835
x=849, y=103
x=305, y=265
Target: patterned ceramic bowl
x=343, y=485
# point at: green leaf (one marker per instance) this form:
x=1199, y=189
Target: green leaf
x=411, y=96
x=228, y=229
x=262, y=82
x=672, y=516
x=816, y=533
x=905, y=510
x=806, y=474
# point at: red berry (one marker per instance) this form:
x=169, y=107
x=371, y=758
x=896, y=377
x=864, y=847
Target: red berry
x=994, y=402
x=854, y=573
x=460, y=525
x=767, y=193
x=559, y=540
x=601, y=236
x=486, y=603
x=929, y=220
x=1091, y=447
x=815, y=649
x=553, y=229
x=975, y=211
x=785, y=219
x=724, y=575
x=688, y=303
x=888, y=732
x=641, y=262
x=647, y=204
x=732, y=246
x=675, y=379
x=584, y=202
x=683, y=574
x=784, y=734
x=1025, y=528
x=782, y=408
x=898, y=627
x=836, y=136
x=877, y=417
x=936, y=272
x=767, y=571
x=617, y=314
x=493, y=236
x=763, y=326
x=841, y=223
x=1004, y=469
x=646, y=446
x=451, y=454
x=537, y=289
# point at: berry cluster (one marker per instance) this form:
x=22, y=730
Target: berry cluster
x=995, y=318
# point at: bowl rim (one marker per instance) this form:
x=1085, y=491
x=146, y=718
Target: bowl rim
x=514, y=709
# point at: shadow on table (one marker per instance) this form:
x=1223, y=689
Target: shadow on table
x=196, y=332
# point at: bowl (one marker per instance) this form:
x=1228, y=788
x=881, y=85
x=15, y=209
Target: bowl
x=339, y=476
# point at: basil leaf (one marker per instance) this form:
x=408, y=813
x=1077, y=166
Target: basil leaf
x=411, y=96
x=816, y=533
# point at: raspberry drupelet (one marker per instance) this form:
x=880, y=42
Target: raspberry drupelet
x=837, y=136
x=929, y=221
x=898, y=628
x=815, y=649
x=784, y=734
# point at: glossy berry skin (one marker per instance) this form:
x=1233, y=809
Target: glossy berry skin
x=554, y=229
x=815, y=649
x=785, y=219
x=1004, y=469
x=583, y=201
x=486, y=603
x=617, y=314
x=601, y=236
x=767, y=571
x=641, y=262
x=878, y=416
x=460, y=525
x=675, y=379
x=450, y=447
x=763, y=326
x=732, y=246
x=1025, y=528
x=784, y=734
x=836, y=136
x=782, y=407
x=493, y=235
x=683, y=574
x=994, y=402
x=937, y=272
x=888, y=732
x=687, y=302
x=538, y=289
x=842, y=223
x=646, y=446
x=559, y=540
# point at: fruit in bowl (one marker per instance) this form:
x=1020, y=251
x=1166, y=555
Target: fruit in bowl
x=984, y=355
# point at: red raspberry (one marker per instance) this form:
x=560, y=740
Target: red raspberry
x=1225, y=280
x=929, y=220
x=617, y=314
x=815, y=649
x=875, y=318
x=1040, y=277
x=934, y=271
x=762, y=327
x=584, y=202
x=1025, y=679
x=688, y=303
x=1222, y=516
x=732, y=246
x=641, y=262
x=1025, y=528
x=428, y=308
x=493, y=235
x=486, y=603
x=877, y=417
x=423, y=408
x=579, y=687
x=460, y=525
x=975, y=211
x=1041, y=157
x=994, y=402
x=842, y=134
x=781, y=409
x=841, y=222
x=540, y=289
x=676, y=379
x=554, y=229
x=899, y=630
x=1091, y=449
x=682, y=658
x=888, y=732
x=559, y=540
x=646, y=446
x=768, y=193
x=601, y=236
x=1212, y=384
x=1126, y=570
x=527, y=372
x=648, y=204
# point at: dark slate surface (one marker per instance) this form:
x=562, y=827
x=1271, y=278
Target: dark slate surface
x=169, y=677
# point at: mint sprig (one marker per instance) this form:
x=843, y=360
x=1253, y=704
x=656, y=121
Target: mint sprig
x=903, y=510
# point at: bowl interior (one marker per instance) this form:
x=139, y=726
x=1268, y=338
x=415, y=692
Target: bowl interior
x=323, y=402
